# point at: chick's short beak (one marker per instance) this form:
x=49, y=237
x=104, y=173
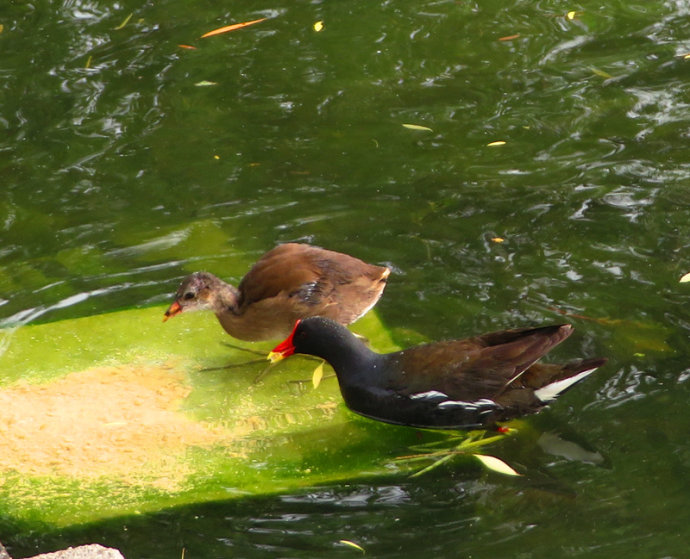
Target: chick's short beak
x=173, y=310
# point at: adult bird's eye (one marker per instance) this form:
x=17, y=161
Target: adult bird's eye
x=189, y=295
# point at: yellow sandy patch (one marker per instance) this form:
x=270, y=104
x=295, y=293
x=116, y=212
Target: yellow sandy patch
x=119, y=422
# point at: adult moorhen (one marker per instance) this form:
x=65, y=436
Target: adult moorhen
x=460, y=384
x=289, y=282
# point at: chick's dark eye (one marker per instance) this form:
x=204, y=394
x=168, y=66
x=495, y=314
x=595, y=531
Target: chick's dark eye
x=189, y=295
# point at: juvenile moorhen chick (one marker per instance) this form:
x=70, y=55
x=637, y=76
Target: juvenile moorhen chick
x=461, y=384
x=289, y=282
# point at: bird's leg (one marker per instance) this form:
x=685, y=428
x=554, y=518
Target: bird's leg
x=235, y=365
x=247, y=349
x=263, y=373
x=243, y=363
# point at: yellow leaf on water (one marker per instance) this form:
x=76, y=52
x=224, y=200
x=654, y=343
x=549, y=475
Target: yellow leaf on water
x=496, y=464
x=601, y=73
x=317, y=375
x=2, y=27
x=352, y=545
x=685, y=278
x=205, y=83
x=571, y=15
x=125, y=22
x=417, y=127
x=497, y=240
x=232, y=27
x=318, y=26
x=496, y=144
x=88, y=62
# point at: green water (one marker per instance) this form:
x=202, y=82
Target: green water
x=120, y=174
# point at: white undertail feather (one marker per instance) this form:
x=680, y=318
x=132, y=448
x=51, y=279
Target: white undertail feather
x=551, y=391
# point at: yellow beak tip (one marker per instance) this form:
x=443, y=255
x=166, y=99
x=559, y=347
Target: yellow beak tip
x=274, y=357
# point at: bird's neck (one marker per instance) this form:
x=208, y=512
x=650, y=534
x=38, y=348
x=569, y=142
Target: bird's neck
x=227, y=298
x=352, y=361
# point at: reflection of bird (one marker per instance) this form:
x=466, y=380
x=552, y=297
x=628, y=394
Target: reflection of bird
x=291, y=281
x=455, y=384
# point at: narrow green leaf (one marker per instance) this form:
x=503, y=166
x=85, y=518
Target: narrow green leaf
x=601, y=73
x=352, y=545
x=125, y=22
x=496, y=464
x=417, y=127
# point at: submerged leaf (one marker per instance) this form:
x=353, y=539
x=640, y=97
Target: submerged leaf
x=601, y=73
x=352, y=545
x=125, y=22
x=496, y=464
x=317, y=375
x=232, y=27
x=417, y=127
x=189, y=47
x=509, y=37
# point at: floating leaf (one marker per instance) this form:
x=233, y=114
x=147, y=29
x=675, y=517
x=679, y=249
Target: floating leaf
x=352, y=545
x=497, y=240
x=317, y=375
x=509, y=37
x=232, y=27
x=189, y=47
x=685, y=57
x=205, y=83
x=2, y=27
x=571, y=15
x=496, y=144
x=417, y=127
x=88, y=62
x=125, y=22
x=318, y=26
x=496, y=464
x=685, y=278
x=601, y=73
